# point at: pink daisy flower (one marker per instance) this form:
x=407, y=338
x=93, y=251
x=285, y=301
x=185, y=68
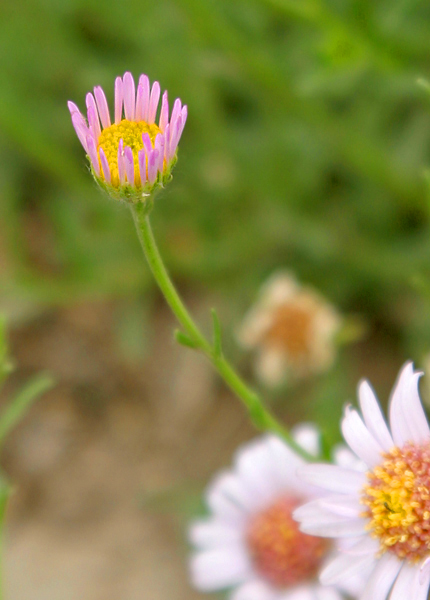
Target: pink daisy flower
x=250, y=543
x=384, y=511
x=130, y=154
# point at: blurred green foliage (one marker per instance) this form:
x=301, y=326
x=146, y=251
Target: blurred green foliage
x=19, y=405
x=305, y=147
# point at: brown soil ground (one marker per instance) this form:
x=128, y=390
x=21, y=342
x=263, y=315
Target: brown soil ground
x=108, y=465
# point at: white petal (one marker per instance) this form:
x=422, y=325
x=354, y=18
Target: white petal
x=346, y=507
x=407, y=418
x=327, y=594
x=221, y=505
x=255, y=469
x=253, y=590
x=304, y=592
x=232, y=488
x=359, y=439
x=308, y=437
x=408, y=585
x=213, y=533
x=271, y=366
x=424, y=569
x=343, y=457
x=333, y=478
x=366, y=545
x=285, y=464
x=334, y=528
x=382, y=578
x=343, y=567
x=373, y=416
x=216, y=569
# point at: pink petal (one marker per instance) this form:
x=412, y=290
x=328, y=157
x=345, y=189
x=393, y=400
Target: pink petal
x=153, y=102
x=166, y=142
x=129, y=164
x=92, y=153
x=143, y=99
x=139, y=103
x=152, y=166
x=93, y=115
x=141, y=156
x=121, y=166
x=184, y=115
x=74, y=109
x=175, y=137
x=81, y=129
x=164, y=113
x=147, y=143
x=129, y=96
x=93, y=122
x=105, y=166
x=159, y=145
x=176, y=110
x=119, y=95
x=102, y=105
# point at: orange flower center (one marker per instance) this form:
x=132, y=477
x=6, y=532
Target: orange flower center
x=281, y=553
x=291, y=330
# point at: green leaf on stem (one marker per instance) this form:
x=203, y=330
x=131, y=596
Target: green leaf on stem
x=6, y=365
x=184, y=340
x=18, y=407
x=216, y=334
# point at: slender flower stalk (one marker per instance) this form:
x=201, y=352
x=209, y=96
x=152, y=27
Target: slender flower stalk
x=260, y=416
x=131, y=158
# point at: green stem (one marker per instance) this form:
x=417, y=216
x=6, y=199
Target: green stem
x=4, y=495
x=259, y=414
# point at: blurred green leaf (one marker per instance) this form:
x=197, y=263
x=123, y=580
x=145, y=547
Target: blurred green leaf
x=17, y=408
x=217, y=335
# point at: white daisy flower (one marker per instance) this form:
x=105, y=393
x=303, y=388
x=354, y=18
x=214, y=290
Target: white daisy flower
x=384, y=512
x=292, y=329
x=251, y=543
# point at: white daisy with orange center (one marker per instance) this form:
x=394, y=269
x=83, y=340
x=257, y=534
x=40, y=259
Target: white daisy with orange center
x=250, y=543
x=131, y=155
x=386, y=510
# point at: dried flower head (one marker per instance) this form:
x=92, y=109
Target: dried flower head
x=133, y=155
x=292, y=328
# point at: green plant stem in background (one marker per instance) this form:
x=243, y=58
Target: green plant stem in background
x=4, y=496
x=193, y=337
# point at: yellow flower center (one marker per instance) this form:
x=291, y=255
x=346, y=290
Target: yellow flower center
x=397, y=498
x=282, y=554
x=131, y=134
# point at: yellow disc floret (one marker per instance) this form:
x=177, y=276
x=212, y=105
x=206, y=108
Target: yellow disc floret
x=131, y=134
x=398, y=502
